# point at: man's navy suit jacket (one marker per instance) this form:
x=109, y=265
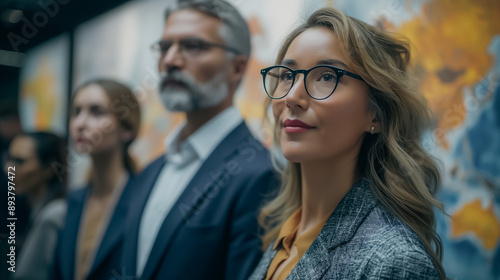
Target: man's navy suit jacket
x=211, y=232
x=107, y=261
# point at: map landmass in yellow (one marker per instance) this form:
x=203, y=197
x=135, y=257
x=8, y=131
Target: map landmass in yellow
x=483, y=223
x=451, y=39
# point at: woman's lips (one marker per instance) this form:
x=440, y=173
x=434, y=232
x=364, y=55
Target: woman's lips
x=296, y=126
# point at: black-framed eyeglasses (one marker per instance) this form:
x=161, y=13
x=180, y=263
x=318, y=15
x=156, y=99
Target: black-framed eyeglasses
x=320, y=81
x=188, y=46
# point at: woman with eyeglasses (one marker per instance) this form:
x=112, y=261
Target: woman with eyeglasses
x=33, y=160
x=104, y=121
x=356, y=200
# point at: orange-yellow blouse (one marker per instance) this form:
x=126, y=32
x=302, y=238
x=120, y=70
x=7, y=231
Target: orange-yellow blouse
x=282, y=264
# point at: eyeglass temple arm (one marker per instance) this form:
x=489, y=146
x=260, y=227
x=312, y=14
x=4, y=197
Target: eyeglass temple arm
x=227, y=48
x=352, y=75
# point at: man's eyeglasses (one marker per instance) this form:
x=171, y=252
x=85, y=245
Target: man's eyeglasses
x=188, y=46
x=320, y=81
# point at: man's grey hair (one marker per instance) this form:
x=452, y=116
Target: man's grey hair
x=234, y=30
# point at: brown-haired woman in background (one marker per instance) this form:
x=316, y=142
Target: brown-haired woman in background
x=356, y=200
x=105, y=118
x=37, y=157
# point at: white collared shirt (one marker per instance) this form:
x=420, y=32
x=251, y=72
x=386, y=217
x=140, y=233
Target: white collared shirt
x=183, y=161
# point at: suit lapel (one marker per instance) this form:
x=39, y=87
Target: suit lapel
x=260, y=271
x=115, y=227
x=339, y=229
x=313, y=264
x=193, y=196
x=69, y=242
x=140, y=189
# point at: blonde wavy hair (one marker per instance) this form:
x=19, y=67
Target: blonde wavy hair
x=403, y=177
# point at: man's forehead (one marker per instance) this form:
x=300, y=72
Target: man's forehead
x=192, y=23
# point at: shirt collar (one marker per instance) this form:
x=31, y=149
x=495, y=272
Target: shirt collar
x=204, y=140
x=288, y=230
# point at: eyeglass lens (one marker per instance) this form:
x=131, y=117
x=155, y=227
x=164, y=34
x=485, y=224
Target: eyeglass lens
x=320, y=82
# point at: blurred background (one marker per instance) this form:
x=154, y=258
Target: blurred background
x=48, y=47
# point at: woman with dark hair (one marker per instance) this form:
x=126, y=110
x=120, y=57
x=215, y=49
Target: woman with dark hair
x=356, y=200
x=36, y=157
x=105, y=118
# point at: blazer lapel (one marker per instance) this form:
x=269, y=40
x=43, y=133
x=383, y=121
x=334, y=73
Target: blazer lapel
x=193, y=196
x=339, y=229
x=69, y=241
x=140, y=189
x=260, y=271
x=115, y=227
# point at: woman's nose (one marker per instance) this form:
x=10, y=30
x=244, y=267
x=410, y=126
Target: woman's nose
x=79, y=121
x=297, y=97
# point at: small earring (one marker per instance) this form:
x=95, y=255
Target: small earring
x=373, y=128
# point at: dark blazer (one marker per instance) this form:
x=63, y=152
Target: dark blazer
x=360, y=240
x=107, y=260
x=211, y=231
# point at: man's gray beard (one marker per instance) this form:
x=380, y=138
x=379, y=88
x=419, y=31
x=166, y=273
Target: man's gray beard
x=196, y=95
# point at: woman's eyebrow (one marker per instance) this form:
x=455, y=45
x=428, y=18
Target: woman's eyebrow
x=289, y=62
x=334, y=62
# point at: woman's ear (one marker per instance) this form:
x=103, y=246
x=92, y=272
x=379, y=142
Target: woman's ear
x=374, y=126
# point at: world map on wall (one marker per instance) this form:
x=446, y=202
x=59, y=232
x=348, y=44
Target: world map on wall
x=457, y=64
x=43, y=87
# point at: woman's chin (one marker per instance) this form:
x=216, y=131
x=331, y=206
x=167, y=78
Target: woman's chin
x=295, y=157
x=295, y=152
x=83, y=148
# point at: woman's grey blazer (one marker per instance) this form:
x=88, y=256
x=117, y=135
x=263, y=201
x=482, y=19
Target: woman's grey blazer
x=360, y=240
